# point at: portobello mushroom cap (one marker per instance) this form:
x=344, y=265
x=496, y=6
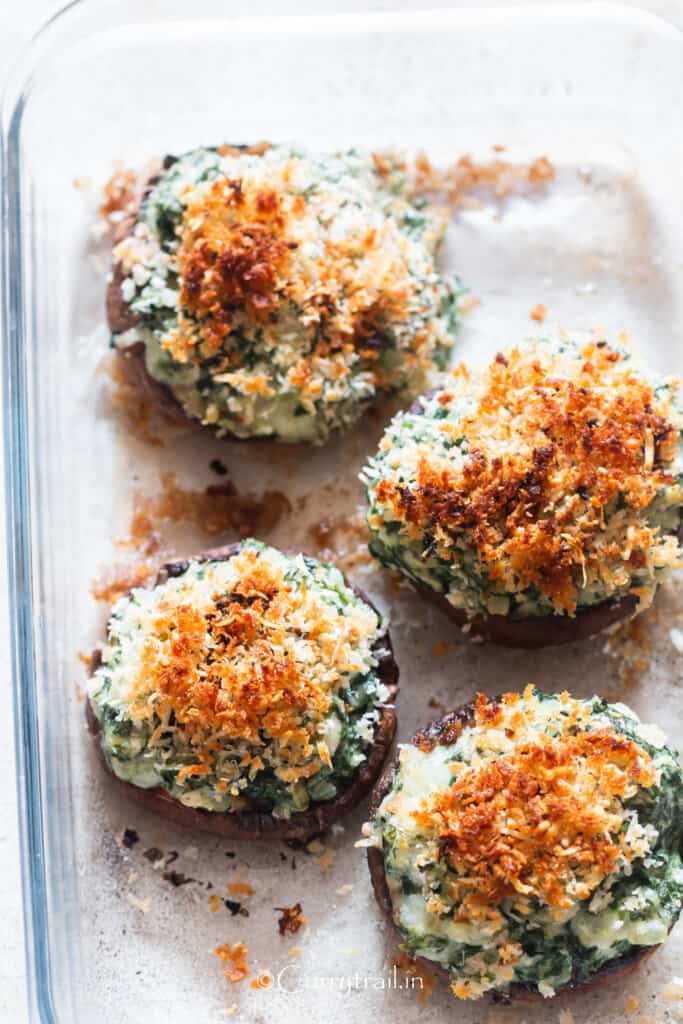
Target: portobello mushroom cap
x=302, y=826
x=534, y=631
x=442, y=731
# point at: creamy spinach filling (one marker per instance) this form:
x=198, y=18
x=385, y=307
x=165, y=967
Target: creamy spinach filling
x=449, y=560
x=356, y=306
x=534, y=945
x=295, y=676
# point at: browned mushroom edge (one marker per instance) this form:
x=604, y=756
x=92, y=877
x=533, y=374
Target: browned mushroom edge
x=250, y=824
x=442, y=731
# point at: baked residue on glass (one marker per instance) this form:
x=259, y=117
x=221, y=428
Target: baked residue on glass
x=216, y=510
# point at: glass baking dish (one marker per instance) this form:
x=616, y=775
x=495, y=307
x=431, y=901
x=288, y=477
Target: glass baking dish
x=596, y=88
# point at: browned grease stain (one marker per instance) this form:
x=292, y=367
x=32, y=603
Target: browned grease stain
x=116, y=580
x=631, y=643
x=139, y=417
x=423, y=977
x=217, y=509
x=342, y=539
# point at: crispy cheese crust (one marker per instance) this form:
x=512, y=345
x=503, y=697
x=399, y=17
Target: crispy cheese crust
x=547, y=485
x=245, y=685
x=529, y=844
x=276, y=293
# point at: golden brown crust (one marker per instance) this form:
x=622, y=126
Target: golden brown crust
x=442, y=730
x=534, y=631
x=242, y=276
x=252, y=824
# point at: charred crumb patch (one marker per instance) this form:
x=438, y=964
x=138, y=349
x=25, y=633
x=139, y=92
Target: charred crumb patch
x=130, y=838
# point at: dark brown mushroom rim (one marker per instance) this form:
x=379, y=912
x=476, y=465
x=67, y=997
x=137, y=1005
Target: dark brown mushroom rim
x=446, y=731
x=535, y=631
x=253, y=824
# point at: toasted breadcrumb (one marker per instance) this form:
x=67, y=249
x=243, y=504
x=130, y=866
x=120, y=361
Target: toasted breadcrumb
x=291, y=919
x=239, y=888
x=262, y=981
x=538, y=313
x=234, y=958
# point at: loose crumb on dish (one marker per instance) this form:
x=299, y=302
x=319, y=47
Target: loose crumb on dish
x=127, y=838
x=344, y=890
x=120, y=195
x=291, y=919
x=324, y=857
x=538, y=313
x=455, y=184
x=118, y=579
x=632, y=1004
x=440, y=649
x=233, y=956
x=467, y=303
x=239, y=888
x=262, y=981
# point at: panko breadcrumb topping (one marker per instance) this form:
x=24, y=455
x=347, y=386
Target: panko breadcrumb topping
x=531, y=840
x=548, y=472
x=248, y=680
x=258, y=663
x=543, y=821
x=277, y=293
x=244, y=251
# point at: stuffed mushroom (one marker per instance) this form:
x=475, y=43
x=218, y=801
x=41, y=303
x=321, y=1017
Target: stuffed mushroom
x=529, y=844
x=538, y=501
x=274, y=293
x=247, y=693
